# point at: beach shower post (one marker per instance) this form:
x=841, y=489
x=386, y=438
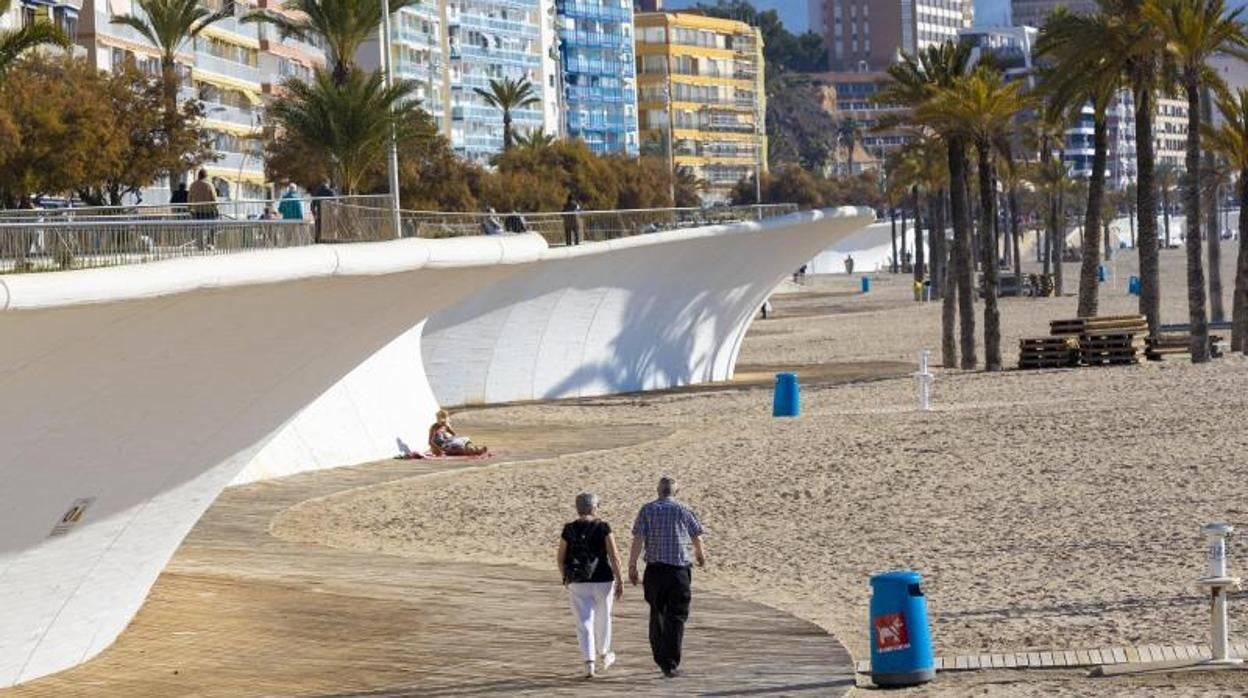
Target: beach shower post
x=925, y=379
x=1218, y=584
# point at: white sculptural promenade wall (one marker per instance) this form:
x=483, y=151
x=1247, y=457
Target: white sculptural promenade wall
x=133, y=395
x=645, y=312
x=640, y=313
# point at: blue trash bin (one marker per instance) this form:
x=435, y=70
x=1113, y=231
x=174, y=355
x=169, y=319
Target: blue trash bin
x=866, y=284
x=1133, y=286
x=1100, y=273
x=901, y=642
x=787, y=399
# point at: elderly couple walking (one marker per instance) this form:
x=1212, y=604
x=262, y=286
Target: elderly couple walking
x=671, y=537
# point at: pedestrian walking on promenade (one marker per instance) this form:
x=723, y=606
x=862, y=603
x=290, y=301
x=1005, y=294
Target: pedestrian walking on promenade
x=672, y=538
x=590, y=564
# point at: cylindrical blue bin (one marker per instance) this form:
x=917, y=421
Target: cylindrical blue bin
x=1100, y=273
x=787, y=399
x=1133, y=286
x=901, y=643
x=866, y=284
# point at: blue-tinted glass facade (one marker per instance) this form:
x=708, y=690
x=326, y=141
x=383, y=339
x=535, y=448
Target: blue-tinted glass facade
x=598, y=75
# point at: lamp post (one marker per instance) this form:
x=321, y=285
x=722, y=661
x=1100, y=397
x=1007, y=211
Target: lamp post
x=392, y=164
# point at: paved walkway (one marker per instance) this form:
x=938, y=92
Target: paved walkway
x=241, y=613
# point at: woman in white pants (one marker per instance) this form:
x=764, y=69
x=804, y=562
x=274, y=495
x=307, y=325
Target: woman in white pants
x=590, y=565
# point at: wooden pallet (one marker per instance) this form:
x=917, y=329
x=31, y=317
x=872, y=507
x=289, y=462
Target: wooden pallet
x=1161, y=346
x=1047, y=352
x=1042, y=284
x=1105, y=323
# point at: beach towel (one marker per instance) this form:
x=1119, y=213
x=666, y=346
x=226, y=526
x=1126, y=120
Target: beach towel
x=413, y=455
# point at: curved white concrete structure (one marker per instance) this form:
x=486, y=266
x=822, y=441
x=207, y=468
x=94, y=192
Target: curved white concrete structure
x=133, y=395
x=141, y=391
x=641, y=313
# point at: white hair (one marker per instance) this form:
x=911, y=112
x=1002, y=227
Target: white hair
x=586, y=503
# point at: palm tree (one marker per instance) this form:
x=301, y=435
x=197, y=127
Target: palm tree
x=1230, y=141
x=847, y=133
x=509, y=94
x=1087, y=68
x=981, y=108
x=1196, y=30
x=342, y=26
x=15, y=42
x=915, y=80
x=535, y=139
x=348, y=125
x=167, y=25
x=1217, y=176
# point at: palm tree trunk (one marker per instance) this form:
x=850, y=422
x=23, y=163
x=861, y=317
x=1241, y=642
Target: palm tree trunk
x=902, y=260
x=1088, y=281
x=1213, y=227
x=892, y=216
x=507, y=135
x=992, y=315
x=1196, y=302
x=1239, y=309
x=944, y=270
x=1058, y=241
x=918, y=235
x=1016, y=236
x=935, y=243
x=962, y=259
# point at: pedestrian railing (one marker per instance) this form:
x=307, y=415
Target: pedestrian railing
x=81, y=238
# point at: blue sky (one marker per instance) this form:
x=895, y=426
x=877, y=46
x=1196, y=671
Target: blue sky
x=793, y=12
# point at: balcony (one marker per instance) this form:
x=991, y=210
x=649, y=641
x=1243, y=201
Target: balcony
x=209, y=63
x=234, y=115
x=236, y=162
x=601, y=13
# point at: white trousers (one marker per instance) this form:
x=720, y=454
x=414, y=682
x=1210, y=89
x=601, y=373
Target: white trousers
x=591, y=607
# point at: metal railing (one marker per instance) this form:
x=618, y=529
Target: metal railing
x=86, y=237
x=353, y=221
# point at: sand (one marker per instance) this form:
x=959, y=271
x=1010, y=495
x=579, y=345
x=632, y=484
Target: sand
x=1046, y=509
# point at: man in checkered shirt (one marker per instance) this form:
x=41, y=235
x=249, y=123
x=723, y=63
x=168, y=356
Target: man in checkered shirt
x=668, y=531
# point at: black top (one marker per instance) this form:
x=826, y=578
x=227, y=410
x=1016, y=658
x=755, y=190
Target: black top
x=599, y=530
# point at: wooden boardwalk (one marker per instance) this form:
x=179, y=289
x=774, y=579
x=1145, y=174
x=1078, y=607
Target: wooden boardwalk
x=241, y=613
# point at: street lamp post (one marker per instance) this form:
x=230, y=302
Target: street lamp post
x=387, y=64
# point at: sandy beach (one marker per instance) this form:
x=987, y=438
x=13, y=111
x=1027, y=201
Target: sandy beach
x=1055, y=509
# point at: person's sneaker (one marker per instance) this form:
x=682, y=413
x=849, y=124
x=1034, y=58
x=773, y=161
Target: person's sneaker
x=607, y=660
x=589, y=670
x=671, y=673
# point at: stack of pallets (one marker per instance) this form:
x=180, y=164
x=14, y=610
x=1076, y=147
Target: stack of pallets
x=1090, y=341
x=1110, y=348
x=1157, y=348
x=1042, y=284
x=1048, y=352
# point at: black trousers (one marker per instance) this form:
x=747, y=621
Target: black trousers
x=668, y=591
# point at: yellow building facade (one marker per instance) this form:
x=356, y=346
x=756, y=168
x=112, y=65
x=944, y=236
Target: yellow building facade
x=700, y=86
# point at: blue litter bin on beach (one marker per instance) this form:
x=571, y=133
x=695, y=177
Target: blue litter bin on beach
x=901, y=642
x=1133, y=286
x=787, y=401
x=866, y=284
x=1100, y=273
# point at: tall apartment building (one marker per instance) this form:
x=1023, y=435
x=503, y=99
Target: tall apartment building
x=868, y=35
x=700, y=92
x=597, y=76
x=61, y=13
x=230, y=67
x=451, y=47
x=1032, y=13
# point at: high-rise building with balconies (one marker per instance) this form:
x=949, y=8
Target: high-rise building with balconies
x=868, y=35
x=700, y=96
x=597, y=74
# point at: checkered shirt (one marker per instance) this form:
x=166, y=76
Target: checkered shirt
x=667, y=526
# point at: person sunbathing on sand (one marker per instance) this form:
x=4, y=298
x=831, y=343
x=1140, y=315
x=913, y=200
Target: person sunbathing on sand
x=444, y=442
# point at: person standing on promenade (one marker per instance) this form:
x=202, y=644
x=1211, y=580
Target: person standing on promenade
x=203, y=204
x=590, y=564
x=668, y=530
